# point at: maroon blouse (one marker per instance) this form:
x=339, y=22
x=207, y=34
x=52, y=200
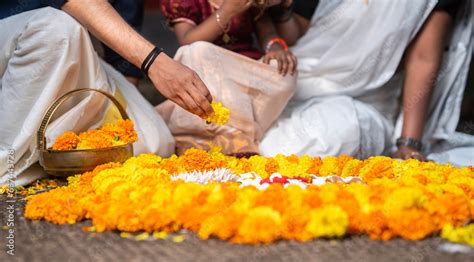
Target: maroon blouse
x=196, y=11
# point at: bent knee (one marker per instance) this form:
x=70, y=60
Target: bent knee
x=202, y=46
x=204, y=50
x=57, y=26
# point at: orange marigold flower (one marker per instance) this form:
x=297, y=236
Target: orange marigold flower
x=109, y=135
x=271, y=166
x=316, y=165
x=196, y=159
x=412, y=224
x=409, y=199
x=67, y=141
x=93, y=139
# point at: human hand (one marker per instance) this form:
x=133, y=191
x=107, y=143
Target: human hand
x=406, y=152
x=181, y=85
x=235, y=7
x=287, y=62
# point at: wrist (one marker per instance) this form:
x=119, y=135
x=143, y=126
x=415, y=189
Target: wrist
x=161, y=61
x=276, y=44
x=275, y=47
x=408, y=142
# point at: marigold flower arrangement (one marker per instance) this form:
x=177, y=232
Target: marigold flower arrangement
x=260, y=200
x=221, y=114
x=120, y=133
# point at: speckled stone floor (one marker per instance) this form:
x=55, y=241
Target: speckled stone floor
x=42, y=241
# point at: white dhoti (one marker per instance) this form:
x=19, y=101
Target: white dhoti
x=44, y=54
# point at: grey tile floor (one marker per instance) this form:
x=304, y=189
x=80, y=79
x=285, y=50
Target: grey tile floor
x=42, y=241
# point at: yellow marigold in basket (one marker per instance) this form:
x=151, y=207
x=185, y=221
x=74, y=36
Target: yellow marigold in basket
x=221, y=114
x=120, y=133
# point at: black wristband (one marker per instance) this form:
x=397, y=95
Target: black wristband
x=150, y=59
x=410, y=142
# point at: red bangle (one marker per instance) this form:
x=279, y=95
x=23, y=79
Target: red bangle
x=276, y=40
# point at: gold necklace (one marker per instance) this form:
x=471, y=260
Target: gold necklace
x=225, y=37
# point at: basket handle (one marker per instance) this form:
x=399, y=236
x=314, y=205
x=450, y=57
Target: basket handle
x=41, y=139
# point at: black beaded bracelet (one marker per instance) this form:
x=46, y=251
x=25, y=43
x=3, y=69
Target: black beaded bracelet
x=150, y=59
x=410, y=142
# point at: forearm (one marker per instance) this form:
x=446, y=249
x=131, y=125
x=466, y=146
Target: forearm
x=175, y=81
x=290, y=30
x=99, y=17
x=265, y=30
x=423, y=60
x=419, y=82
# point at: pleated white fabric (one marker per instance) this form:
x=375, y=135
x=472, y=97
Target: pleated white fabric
x=347, y=97
x=43, y=54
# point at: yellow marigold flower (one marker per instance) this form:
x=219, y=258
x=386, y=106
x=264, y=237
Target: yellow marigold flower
x=160, y=235
x=352, y=168
x=329, y=221
x=260, y=225
x=292, y=167
x=221, y=114
x=404, y=198
x=142, y=236
x=409, y=199
x=464, y=235
x=377, y=167
x=258, y=165
x=178, y=239
x=124, y=235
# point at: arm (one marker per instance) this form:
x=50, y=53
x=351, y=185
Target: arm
x=293, y=29
x=173, y=80
x=422, y=63
x=211, y=28
x=292, y=18
x=266, y=32
x=132, y=12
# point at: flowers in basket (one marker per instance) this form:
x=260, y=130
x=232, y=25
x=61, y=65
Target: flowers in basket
x=120, y=133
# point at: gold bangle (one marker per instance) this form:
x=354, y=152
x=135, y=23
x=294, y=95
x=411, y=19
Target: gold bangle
x=225, y=29
x=260, y=2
